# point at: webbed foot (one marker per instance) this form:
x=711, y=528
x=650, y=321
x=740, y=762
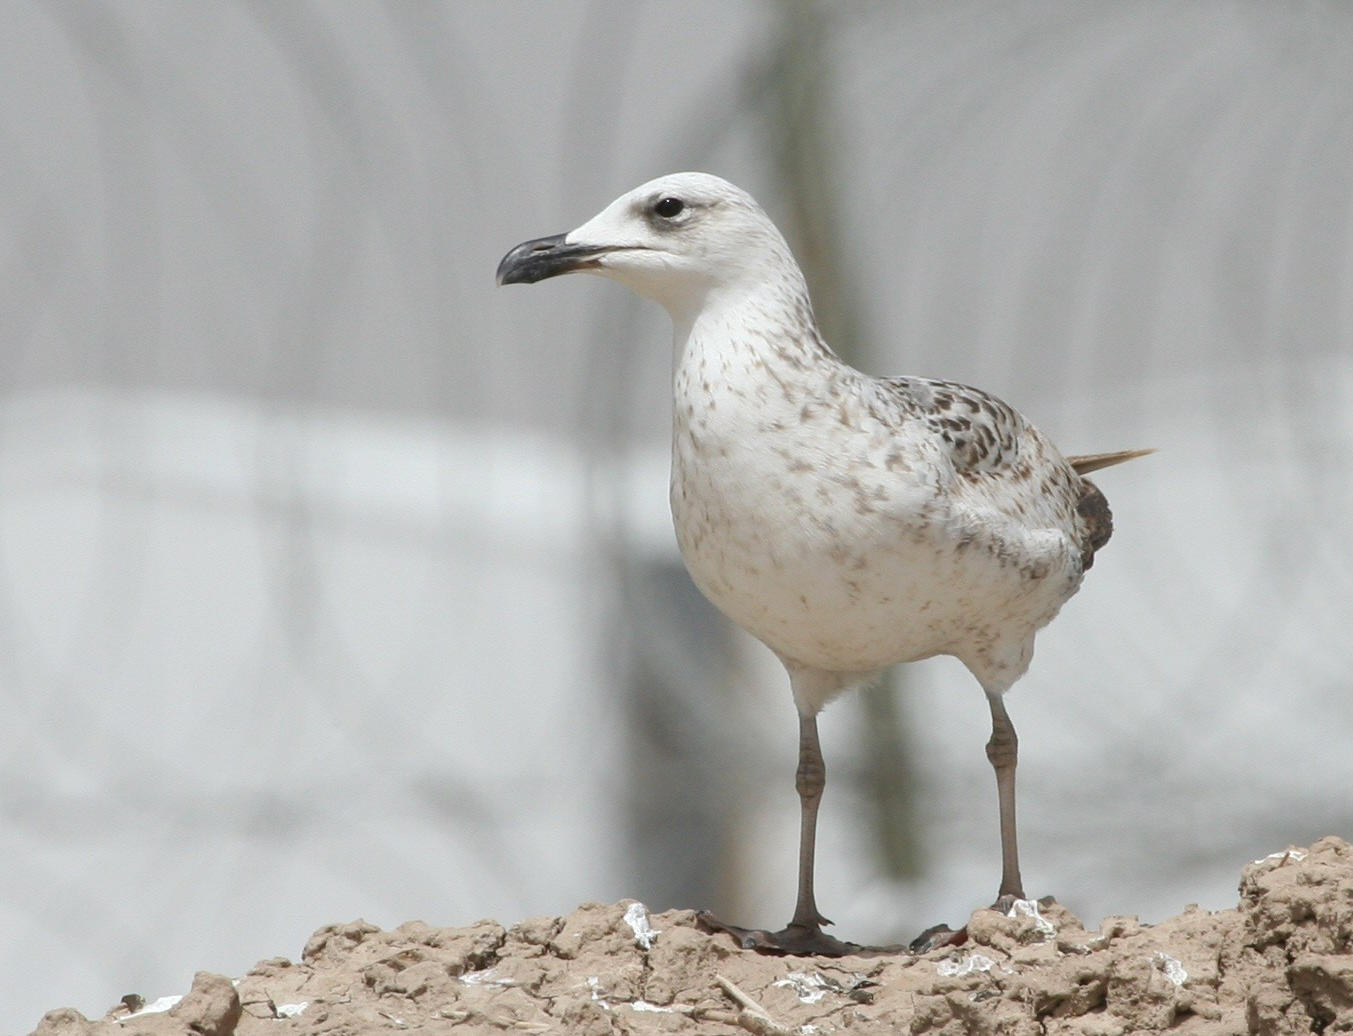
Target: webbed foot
x=795, y=940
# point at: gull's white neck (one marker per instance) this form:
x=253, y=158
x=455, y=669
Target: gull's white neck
x=747, y=363
x=770, y=320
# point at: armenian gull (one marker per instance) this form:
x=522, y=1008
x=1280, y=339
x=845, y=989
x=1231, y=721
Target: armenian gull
x=848, y=522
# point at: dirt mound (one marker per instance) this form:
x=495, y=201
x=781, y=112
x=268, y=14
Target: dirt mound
x=1280, y=963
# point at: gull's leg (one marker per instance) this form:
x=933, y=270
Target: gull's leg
x=809, y=781
x=1003, y=751
x=803, y=934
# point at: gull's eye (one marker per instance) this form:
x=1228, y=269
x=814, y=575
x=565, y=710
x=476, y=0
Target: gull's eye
x=669, y=208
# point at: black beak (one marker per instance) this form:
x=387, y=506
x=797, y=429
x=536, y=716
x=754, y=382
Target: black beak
x=533, y=261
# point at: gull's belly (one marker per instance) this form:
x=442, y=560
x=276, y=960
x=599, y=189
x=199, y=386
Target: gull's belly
x=857, y=571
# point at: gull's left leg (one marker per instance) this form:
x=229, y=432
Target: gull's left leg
x=1003, y=751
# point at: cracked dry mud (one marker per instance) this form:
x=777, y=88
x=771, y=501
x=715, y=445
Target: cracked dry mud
x=1282, y=962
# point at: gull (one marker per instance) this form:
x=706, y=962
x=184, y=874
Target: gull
x=848, y=522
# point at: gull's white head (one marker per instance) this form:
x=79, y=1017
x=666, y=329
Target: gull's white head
x=677, y=240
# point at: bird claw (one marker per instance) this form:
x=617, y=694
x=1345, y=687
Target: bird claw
x=938, y=937
x=794, y=940
x=1005, y=903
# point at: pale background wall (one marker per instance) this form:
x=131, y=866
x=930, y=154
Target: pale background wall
x=336, y=582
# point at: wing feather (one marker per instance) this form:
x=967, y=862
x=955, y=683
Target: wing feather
x=1086, y=463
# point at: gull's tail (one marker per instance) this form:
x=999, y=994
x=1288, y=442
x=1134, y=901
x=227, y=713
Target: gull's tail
x=1094, y=461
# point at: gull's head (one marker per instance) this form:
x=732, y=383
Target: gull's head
x=675, y=240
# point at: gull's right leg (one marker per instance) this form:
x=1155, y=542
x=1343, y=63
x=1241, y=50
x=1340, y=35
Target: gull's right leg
x=803, y=935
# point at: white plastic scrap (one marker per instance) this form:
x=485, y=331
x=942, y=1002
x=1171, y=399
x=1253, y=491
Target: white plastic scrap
x=159, y=1006
x=808, y=988
x=1281, y=857
x=1029, y=908
x=594, y=984
x=966, y=966
x=291, y=1010
x=1171, y=966
x=484, y=977
x=636, y=916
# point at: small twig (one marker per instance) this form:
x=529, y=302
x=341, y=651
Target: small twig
x=739, y=997
x=759, y=1025
x=753, y=1017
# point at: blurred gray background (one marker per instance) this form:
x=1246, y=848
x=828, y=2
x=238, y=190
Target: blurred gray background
x=336, y=582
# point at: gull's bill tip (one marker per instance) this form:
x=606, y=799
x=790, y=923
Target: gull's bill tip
x=543, y=257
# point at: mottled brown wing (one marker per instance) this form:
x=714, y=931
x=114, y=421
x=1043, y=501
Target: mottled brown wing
x=981, y=432
x=984, y=435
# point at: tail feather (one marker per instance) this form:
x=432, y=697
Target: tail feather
x=1089, y=462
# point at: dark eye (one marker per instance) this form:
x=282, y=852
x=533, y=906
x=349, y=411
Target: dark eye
x=668, y=208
